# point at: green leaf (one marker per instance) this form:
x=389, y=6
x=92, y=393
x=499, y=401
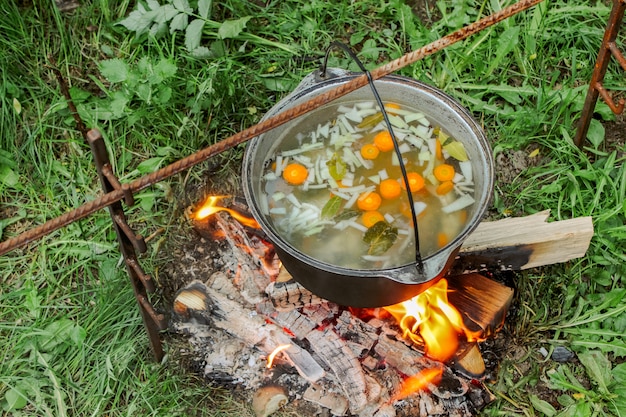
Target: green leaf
x=165, y=13
x=596, y=133
x=598, y=368
x=232, y=28
x=542, y=406
x=8, y=177
x=165, y=68
x=619, y=373
x=58, y=333
x=204, y=7
x=202, y=52
x=183, y=6
x=179, y=22
x=331, y=208
x=193, y=34
x=370, y=50
x=135, y=22
x=15, y=399
x=150, y=165
x=618, y=403
x=144, y=92
x=164, y=94
x=114, y=70
x=380, y=237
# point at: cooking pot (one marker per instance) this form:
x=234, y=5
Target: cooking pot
x=365, y=287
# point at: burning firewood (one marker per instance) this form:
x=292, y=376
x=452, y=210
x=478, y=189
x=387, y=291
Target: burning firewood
x=340, y=361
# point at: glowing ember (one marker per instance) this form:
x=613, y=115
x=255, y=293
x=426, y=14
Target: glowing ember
x=418, y=382
x=430, y=319
x=270, y=358
x=210, y=207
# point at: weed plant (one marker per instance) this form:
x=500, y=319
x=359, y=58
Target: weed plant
x=162, y=79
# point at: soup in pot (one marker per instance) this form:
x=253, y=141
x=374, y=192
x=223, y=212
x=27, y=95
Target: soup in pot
x=335, y=191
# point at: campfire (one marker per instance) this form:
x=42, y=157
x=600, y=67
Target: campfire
x=251, y=325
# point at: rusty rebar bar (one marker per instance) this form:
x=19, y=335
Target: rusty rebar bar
x=608, y=49
x=247, y=134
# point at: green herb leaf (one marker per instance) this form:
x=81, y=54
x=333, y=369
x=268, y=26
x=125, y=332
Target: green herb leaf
x=456, y=150
x=232, y=28
x=193, y=34
x=332, y=206
x=114, y=70
x=380, y=237
x=337, y=167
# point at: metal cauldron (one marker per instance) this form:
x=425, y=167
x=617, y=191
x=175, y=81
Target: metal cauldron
x=372, y=288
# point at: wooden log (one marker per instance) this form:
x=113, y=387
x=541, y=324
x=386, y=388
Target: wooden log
x=525, y=242
x=230, y=316
x=482, y=302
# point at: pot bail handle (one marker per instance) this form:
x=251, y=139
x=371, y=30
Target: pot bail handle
x=324, y=73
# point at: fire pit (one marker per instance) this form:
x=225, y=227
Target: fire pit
x=245, y=324
x=250, y=325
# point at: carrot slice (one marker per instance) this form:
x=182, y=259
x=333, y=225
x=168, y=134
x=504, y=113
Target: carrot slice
x=444, y=188
x=369, y=151
x=444, y=172
x=383, y=141
x=369, y=201
x=390, y=189
x=416, y=182
x=295, y=174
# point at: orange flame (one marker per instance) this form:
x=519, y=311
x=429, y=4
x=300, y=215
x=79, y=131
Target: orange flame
x=210, y=207
x=430, y=319
x=270, y=358
x=418, y=382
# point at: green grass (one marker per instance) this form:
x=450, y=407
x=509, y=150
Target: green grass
x=71, y=338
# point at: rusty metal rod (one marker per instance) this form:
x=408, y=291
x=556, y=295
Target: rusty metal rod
x=247, y=134
x=607, y=49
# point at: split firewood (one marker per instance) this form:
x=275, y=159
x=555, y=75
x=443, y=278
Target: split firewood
x=525, y=242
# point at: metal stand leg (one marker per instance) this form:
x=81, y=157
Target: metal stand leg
x=608, y=49
x=130, y=243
